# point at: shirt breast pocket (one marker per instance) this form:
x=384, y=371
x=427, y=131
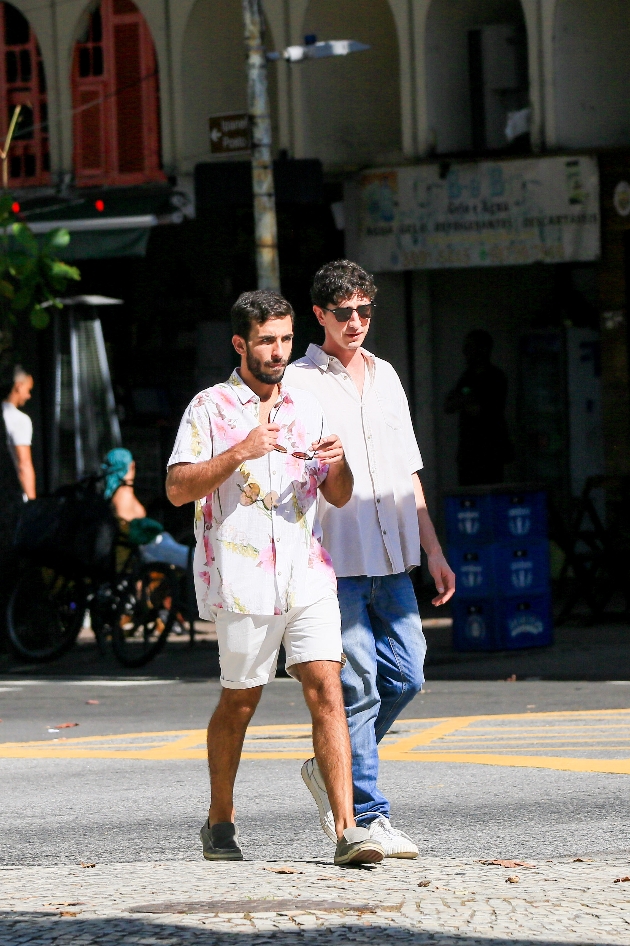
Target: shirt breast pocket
x=389, y=416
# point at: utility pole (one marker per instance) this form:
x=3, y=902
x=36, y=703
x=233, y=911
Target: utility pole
x=4, y=152
x=265, y=222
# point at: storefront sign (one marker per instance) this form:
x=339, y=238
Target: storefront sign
x=494, y=213
x=229, y=134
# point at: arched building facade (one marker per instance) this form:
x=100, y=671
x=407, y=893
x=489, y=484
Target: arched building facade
x=122, y=92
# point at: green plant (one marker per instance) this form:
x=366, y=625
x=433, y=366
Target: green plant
x=31, y=275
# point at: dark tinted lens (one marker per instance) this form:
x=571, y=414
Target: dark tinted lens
x=299, y=455
x=345, y=313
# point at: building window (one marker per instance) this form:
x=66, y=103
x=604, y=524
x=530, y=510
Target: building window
x=116, y=99
x=23, y=82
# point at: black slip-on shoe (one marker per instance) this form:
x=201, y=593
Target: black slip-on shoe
x=220, y=842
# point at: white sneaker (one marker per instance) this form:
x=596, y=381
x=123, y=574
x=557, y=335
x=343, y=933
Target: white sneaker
x=395, y=843
x=313, y=780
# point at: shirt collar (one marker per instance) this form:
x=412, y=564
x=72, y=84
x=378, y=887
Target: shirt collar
x=318, y=356
x=245, y=393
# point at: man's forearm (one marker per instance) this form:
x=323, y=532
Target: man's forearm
x=187, y=482
x=26, y=476
x=338, y=485
x=428, y=537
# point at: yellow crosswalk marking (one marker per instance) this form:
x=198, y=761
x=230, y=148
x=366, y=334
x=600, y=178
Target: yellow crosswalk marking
x=571, y=741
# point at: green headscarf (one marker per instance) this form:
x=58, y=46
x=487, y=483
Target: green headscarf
x=115, y=467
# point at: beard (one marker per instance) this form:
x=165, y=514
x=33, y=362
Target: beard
x=257, y=368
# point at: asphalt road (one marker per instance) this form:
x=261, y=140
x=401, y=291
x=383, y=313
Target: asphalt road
x=125, y=810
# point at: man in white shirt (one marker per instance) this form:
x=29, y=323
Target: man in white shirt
x=20, y=429
x=252, y=454
x=374, y=540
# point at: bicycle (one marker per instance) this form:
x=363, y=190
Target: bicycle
x=131, y=603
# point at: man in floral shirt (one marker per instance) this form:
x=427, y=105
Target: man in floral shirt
x=252, y=454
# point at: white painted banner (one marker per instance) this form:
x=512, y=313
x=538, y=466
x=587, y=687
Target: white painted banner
x=490, y=213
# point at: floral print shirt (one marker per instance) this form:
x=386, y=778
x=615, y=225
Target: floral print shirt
x=258, y=538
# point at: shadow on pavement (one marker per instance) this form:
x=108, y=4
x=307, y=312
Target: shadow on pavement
x=40, y=928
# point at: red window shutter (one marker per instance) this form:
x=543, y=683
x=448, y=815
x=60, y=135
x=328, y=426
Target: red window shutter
x=117, y=142
x=129, y=120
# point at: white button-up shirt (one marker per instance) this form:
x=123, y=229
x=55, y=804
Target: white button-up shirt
x=377, y=532
x=258, y=548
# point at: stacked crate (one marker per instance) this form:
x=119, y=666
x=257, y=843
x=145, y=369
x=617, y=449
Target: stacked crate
x=499, y=551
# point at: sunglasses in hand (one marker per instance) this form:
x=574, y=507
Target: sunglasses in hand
x=300, y=454
x=344, y=313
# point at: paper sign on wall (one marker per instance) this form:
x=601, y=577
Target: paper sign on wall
x=490, y=213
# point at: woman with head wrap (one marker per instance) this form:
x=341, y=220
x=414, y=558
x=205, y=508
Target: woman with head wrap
x=156, y=545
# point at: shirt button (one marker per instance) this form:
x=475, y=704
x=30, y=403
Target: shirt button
x=279, y=573
x=378, y=500
x=384, y=533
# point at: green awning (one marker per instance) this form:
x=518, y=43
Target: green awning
x=104, y=244
x=104, y=223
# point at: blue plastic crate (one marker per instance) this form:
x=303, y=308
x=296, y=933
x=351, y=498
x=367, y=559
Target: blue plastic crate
x=468, y=518
x=475, y=624
x=474, y=569
x=521, y=568
x=524, y=622
x=519, y=515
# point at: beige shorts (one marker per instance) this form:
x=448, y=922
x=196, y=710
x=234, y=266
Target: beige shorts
x=249, y=643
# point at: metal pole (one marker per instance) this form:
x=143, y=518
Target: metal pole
x=76, y=395
x=4, y=153
x=265, y=223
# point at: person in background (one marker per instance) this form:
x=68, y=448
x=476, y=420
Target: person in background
x=20, y=429
x=119, y=468
x=479, y=398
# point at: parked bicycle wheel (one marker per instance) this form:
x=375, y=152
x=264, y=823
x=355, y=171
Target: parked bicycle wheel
x=45, y=613
x=145, y=614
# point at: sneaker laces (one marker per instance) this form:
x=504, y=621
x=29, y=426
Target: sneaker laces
x=387, y=827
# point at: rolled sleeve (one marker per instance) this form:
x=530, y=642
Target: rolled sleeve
x=193, y=443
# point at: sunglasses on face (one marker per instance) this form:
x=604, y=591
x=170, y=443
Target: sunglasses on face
x=344, y=313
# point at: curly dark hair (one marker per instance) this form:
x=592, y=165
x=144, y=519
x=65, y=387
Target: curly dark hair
x=339, y=280
x=258, y=307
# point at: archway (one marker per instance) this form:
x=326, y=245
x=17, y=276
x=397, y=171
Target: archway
x=591, y=45
x=352, y=104
x=23, y=82
x=213, y=73
x=476, y=62
x=115, y=95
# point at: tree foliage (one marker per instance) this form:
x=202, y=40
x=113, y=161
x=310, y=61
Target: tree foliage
x=31, y=275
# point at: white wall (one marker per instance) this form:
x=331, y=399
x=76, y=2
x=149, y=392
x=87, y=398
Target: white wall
x=446, y=63
x=351, y=105
x=591, y=45
x=213, y=73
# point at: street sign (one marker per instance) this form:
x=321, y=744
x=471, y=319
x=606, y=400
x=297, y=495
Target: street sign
x=229, y=134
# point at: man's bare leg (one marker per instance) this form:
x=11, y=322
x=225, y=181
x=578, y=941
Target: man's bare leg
x=226, y=732
x=321, y=683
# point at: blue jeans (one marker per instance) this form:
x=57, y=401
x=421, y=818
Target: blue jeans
x=385, y=649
